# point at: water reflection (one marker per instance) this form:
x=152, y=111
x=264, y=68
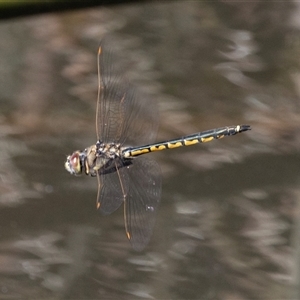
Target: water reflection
x=242, y=58
x=226, y=224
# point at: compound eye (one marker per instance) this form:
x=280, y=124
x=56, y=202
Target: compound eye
x=74, y=160
x=73, y=163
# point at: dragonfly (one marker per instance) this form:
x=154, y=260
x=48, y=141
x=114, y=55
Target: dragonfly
x=126, y=127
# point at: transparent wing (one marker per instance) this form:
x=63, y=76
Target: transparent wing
x=112, y=189
x=121, y=116
x=142, y=201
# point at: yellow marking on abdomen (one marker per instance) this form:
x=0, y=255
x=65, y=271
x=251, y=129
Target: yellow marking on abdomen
x=139, y=152
x=157, y=148
x=174, y=145
x=191, y=142
x=208, y=139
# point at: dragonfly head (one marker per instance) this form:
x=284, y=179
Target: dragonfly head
x=74, y=163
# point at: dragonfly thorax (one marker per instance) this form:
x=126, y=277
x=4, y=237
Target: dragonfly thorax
x=108, y=150
x=103, y=158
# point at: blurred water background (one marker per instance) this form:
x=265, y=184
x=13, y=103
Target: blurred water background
x=228, y=224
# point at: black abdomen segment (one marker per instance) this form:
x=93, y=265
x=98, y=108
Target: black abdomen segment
x=192, y=139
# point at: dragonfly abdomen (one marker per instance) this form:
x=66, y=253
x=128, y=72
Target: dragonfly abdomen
x=192, y=139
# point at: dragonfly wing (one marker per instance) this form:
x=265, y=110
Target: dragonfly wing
x=121, y=116
x=142, y=201
x=112, y=189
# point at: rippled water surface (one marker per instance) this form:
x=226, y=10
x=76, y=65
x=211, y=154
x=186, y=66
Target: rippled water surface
x=227, y=226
